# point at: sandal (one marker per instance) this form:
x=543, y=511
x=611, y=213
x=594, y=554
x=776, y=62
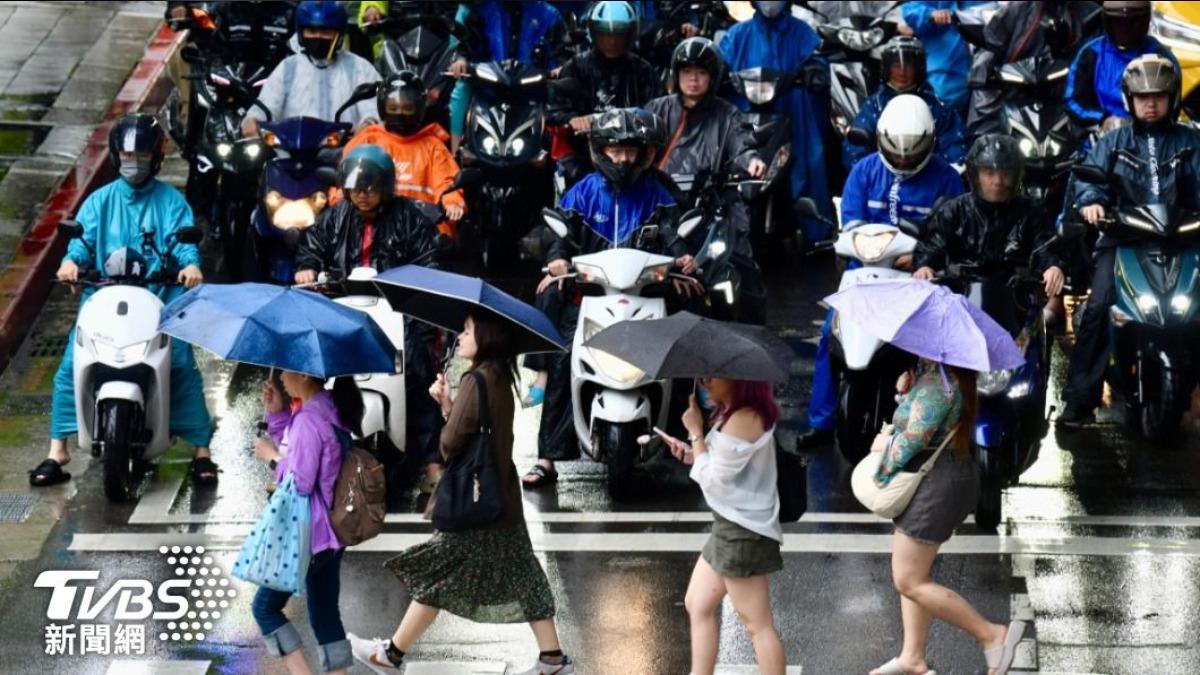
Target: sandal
x=540, y=476
x=48, y=473
x=893, y=667
x=1000, y=658
x=534, y=397
x=204, y=472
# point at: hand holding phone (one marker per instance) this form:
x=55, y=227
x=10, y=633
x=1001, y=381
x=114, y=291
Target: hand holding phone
x=680, y=450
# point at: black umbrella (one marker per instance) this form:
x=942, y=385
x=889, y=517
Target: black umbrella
x=685, y=345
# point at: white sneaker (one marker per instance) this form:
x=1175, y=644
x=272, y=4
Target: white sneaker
x=373, y=654
x=567, y=667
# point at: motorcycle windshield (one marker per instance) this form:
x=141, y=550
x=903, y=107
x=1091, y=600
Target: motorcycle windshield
x=304, y=133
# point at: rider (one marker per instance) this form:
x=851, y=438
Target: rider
x=949, y=58
x=994, y=226
x=255, y=32
x=425, y=168
x=1094, y=83
x=901, y=182
x=373, y=227
x=1144, y=157
x=773, y=38
x=614, y=201
x=315, y=82
x=903, y=63
x=710, y=135
x=608, y=75
x=116, y=217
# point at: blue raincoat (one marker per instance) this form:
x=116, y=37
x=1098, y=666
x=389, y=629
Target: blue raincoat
x=114, y=217
x=874, y=194
x=1094, y=82
x=948, y=126
x=784, y=44
x=948, y=58
x=613, y=216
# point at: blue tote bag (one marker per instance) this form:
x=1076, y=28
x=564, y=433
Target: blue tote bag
x=279, y=548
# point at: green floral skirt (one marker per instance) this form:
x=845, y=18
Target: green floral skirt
x=487, y=576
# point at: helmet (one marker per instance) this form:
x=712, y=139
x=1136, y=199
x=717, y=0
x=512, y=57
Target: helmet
x=771, y=10
x=1151, y=74
x=320, y=14
x=138, y=132
x=1126, y=22
x=402, y=89
x=995, y=151
x=905, y=134
x=628, y=127
x=368, y=166
x=699, y=52
x=904, y=50
x=613, y=17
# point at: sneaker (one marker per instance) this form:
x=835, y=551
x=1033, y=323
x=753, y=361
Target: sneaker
x=567, y=667
x=373, y=654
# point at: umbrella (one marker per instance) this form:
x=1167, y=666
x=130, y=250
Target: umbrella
x=930, y=321
x=685, y=345
x=280, y=327
x=444, y=299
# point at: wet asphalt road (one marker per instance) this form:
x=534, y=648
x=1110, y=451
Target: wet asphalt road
x=1099, y=544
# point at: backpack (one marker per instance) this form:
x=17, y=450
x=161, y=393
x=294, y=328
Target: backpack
x=359, y=496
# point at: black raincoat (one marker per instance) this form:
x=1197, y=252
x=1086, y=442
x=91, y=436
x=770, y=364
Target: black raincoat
x=967, y=230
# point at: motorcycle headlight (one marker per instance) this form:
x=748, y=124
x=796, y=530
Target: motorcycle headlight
x=1147, y=303
x=224, y=150
x=590, y=274
x=532, y=79
x=590, y=329
x=871, y=247
x=1053, y=147
x=490, y=145
x=994, y=382
x=1028, y=147
x=717, y=248
x=252, y=150
x=725, y=288
x=1020, y=390
x=1180, y=304
x=654, y=274
x=861, y=40
x=516, y=146
x=759, y=91
x=618, y=370
x=108, y=352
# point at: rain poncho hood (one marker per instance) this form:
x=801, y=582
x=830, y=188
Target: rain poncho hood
x=297, y=88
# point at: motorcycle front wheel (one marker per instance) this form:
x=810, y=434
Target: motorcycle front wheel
x=120, y=475
x=1165, y=395
x=617, y=444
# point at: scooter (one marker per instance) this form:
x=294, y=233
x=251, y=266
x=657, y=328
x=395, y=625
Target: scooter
x=852, y=47
x=505, y=137
x=613, y=402
x=122, y=365
x=420, y=41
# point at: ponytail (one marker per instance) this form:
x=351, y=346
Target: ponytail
x=349, y=403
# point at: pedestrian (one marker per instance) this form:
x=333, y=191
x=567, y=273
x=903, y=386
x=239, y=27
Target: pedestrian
x=937, y=407
x=734, y=464
x=487, y=574
x=308, y=443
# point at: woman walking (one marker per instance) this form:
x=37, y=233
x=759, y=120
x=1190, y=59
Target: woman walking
x=308, y=444
x=735, y=468
x=937, y=409
x=488, y=574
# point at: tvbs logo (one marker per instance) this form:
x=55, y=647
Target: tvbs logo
x=131, y=599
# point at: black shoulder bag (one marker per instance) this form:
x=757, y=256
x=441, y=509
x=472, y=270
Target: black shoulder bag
x=470, y=495
x=792, y=482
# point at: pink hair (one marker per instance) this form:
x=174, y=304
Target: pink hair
x=756, y=395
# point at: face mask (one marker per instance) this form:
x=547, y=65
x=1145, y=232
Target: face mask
x=135, y=171
x=771, y=10
x=318, y=48
x=402, y=125
x=703, y=399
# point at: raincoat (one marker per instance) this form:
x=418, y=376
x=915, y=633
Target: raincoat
x=297, y=88
x=785, y=43
x=114, y=217
x=1094, y=81
x=873, y=194
x=948, y=59
x=948, y=126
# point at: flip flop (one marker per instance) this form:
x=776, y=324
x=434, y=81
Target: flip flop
x=541, y=476
x=48, y=473
x=893, y=667
x=204, y=472
x=1001, y=658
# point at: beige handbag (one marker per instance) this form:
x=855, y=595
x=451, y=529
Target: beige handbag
x=890, y=500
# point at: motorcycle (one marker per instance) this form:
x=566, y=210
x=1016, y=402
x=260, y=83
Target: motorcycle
x=122, y=367
x=658, y=36
x=505, y=137
x=613, y=402
x=292, y=192
x=1154, y=318
x=852, y=46
x=421, y=42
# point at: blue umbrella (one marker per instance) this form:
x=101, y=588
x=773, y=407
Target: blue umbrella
x=444, y=299
x=279, y=327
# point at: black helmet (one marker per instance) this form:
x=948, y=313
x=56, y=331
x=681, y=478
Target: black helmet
x=402, y=89
x=1126, y=22
x=904, y=51
x=137, y=132
x=995, y=151
x=1151, y=74
x=699, y=52
x=625, y=126
x=365, y=167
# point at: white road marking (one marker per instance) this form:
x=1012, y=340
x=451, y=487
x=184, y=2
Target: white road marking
x=750, y=670
x=455, y=668
x=158, y=667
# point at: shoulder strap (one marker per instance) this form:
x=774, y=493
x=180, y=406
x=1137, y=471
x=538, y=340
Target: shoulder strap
x=485, y=410
x=945, y=442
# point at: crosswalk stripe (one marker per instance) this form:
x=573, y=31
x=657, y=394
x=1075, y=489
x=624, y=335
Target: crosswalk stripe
x=455, y=668
x=157, y=667
x=750, y=670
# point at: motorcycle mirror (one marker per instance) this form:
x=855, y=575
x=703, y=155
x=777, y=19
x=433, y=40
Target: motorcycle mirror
x=861, y=137
x=1090, y=174
x=806, y=207
x=466, y=178
x=327, y=176
x=688, y=224
x=556, y=223
x=70, y=229
x=189, y=235
x=365, y=91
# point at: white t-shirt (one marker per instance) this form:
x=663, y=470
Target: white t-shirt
x=739, y=481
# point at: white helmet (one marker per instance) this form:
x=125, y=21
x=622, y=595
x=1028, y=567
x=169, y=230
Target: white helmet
x=905, y=134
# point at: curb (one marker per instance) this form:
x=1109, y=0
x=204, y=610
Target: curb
x=25, y=283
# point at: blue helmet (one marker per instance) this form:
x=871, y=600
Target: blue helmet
x=613, y=17
x=321, y=14
x=368, y=166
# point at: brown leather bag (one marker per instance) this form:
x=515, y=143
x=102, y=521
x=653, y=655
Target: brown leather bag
x=359, y=497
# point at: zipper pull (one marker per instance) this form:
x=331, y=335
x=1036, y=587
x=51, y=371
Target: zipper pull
x=475, y=496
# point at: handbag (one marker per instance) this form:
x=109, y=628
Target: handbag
x=279, y=548
x=469, y=494
x=892, y=499
x=792, y=483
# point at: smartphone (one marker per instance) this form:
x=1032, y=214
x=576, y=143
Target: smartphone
x=667, y=437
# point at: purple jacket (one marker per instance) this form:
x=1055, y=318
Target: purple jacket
x=311, y=449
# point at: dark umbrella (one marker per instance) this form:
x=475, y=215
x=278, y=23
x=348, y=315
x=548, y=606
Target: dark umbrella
x=444, y=299
x=685, y=345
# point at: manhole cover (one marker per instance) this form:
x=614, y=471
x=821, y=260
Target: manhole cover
x=49, y=346
x=15, y=508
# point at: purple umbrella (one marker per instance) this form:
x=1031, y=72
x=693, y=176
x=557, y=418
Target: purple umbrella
x=930, y=321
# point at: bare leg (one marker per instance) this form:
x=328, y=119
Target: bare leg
x=546, y=635
x=202, y=452
x=916, y=634
x=751, y=598
x=704, y=595
x=296, y=664
x=58, y=451
x=416, y=621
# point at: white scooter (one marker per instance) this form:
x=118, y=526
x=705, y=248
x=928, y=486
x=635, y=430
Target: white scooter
x=122, y=365
x=613, y=402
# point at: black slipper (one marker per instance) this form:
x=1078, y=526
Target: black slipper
x=48, y=473
x=541, y=476
x=204, y=472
